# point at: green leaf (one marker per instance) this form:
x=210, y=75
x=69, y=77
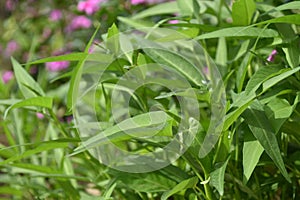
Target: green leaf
x=75, y=57
x=76, y=76
x=243, y=100
x=112, y=42
x=189, y=183
x=221, y=55
x=240, y=32
x=142, y=125
x=176, y=62
x=135, y=23
x=279, y=110
x=292, y=53
x=231, y=117
x=45, y=146
x=36, y=168
x=217, y=177
x=274, y=80
x=288, y=6
x=242, y=12
x=174, y=173
x=45, y=102
x=202, y=95
x=9, y=101
x=26, y=83
x=159, y=9
x=11, y=190
x=261, y=75
x=146, y=182
x=109, y=189
x=263, y=131
x=244, y=48
x=289, y=19
x=252, y=150
x=242, y=71
x=186, y=7
x=260, y=78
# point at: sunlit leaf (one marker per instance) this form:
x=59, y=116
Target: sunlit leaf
x=189, y=183
x=242, y=12
x=252, y=151
x=265, y=134
x=45, y=102
x=178, y=63
x=239, y=32
x=162, y=8
x=217, y=177
x=26, y=83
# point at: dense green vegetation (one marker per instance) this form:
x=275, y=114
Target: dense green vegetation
x=185, y=99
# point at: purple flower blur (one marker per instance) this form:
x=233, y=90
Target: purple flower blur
x=40, y=115
x=7, y=76
x=174, y=21
x=11, y=47
x=10, y=5
x=271, y=57
x=57, y=66
x=69, y=119
x=79, y=22
x=89, y=6
x=55, y=15
x=136, y=2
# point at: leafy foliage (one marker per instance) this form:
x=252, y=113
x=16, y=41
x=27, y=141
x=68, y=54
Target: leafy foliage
x=251, y=152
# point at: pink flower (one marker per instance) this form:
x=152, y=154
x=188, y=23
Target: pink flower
x=46, y=33
x=80, y=22
x=89, y=6
x=55, y=15
x=69, y=119
x=10, y=5
x=11, y=47
x=57, y=66
x=271, y=57
x=7, y=76
x=33, y=70
x=135, y=2
x=174, y=21
x=40, y=115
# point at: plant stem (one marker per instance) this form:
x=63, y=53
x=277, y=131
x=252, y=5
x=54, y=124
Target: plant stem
x=58, y=124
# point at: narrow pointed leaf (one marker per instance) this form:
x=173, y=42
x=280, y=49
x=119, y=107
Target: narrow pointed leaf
x=162, y=8
x=112, y=42
x=76, y=76
x=240, y=32
x=186, y=184
x=137, y=126
x=74, y=57
x=146, y=182
x=252, y=150
x=264, y=133
x=176, y=62
x=45, y=146
x=24, y=80
x=217, y=177
x=45, y=102
x=288, y=19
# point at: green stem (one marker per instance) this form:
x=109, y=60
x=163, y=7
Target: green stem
x=58, y=124
x=195, y=166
